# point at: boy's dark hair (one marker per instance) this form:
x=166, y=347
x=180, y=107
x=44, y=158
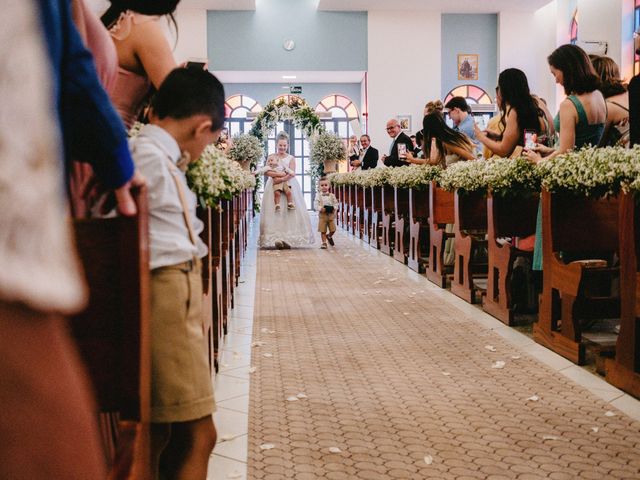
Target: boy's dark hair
x=190, y=91
x=458, y=102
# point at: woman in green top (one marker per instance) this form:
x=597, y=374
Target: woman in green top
x=581, y=118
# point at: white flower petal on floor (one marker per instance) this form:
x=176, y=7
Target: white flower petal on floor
x=533, y=398
x=226, y=437
x=252, y=369
x=610, y=414
x=550, y=437
x=266, y=289
x=335, y=450
x=446, y=374
x=595, y=429
x=292, y=399
x=498, y=364
x=267, y=446
x=267, y=355
x=264, y=330
x=388, y=300
x=301, y=395
x=516, y=357
x=491, y=348
x=428, y=459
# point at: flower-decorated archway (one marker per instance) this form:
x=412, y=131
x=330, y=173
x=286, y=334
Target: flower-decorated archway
x=295, y=109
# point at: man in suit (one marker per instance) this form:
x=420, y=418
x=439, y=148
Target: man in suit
x=368, y=155
x=399, y=138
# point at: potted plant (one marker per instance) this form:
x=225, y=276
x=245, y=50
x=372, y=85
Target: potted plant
x=246, y=150
x=327, y=149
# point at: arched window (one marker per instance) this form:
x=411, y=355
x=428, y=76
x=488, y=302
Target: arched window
x=340, y=111
x=573, y=29
x=636, y=29
x=478, y=99
x=471, y=93
x=236, y=109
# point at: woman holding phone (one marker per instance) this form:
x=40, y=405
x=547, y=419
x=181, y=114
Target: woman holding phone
x=523, y=117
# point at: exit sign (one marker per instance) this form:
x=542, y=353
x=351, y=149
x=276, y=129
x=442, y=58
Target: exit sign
x=295, y=89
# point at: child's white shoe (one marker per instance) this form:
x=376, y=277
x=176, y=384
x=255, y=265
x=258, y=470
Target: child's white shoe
x=291, y=206
x=277, y=208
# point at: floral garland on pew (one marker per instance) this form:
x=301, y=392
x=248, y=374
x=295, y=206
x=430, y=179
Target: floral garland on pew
x=213, y=178
x=417, y=177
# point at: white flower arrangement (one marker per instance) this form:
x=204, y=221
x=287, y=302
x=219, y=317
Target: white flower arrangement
x=345, y=178
x=593, y=172
x=246, y=147
x=134, y=131
x=327, y=146
x=509, y=177
x=375, y=177
x=414, y=176
x=213, y=177
x=466, y=177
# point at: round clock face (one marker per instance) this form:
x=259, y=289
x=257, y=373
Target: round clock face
x=289, y=45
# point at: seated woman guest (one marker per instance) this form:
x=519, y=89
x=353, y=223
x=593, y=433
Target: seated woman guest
x=581, y=118
x=442, y=145
x=520, y=111
x=616, y=132
x=144, y=53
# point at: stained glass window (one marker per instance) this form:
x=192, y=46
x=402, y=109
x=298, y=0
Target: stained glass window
x=573, y=29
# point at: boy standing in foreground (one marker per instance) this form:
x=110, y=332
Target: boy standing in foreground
x=326, y=204
x=187, y=114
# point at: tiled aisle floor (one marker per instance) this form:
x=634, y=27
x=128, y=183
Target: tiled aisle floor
x=232, y=384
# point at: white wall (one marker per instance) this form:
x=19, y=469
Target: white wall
x=404, y=68
x=600, y=20
x=192, y=34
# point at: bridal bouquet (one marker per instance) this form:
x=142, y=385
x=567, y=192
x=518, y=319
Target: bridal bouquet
x=213, y=177
x=593, y=172
x=414, y=176
x=246, y=149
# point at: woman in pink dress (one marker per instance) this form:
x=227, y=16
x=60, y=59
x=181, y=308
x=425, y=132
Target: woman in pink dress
x=144, y=54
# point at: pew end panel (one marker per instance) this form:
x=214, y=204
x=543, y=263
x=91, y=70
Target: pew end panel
x=623, y=370
x=401, y=224
x=576, y=288
x=388, y=212
x=113, y=332
x=418, y=251
x=376, y=217
x=441, y=214
x=470, y=228
x=506, y=217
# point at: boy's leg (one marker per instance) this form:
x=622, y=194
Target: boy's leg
x=160, y=435
x=276, y=196
x=332, y=229
x=324, y=240
x=190, y=446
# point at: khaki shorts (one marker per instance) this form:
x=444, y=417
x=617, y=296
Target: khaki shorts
x=181, y=385
x=326, y=221
x=281, y=187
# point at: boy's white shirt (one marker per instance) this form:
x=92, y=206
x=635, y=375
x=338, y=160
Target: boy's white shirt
x=327, y=199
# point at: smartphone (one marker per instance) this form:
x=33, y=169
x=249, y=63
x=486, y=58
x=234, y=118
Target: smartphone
x=402, y=150
x=530, y=139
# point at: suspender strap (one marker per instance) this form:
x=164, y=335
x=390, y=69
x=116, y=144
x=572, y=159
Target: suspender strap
x=175, y=173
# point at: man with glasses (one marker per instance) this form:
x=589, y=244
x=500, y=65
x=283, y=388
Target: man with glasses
x=400, y=145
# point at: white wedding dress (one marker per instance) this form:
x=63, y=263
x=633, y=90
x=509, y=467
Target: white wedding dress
x=290, y=226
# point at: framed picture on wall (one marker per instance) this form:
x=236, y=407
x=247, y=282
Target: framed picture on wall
x=405, y=122
x=467, y=66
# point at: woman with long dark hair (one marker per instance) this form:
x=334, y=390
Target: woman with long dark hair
x=616, y=132
x=442, y=144
x=520, y=111
x=144, y=54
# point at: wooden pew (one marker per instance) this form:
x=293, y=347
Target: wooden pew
x=204, y=214
x=418, y=229
x=344, y=207
x=113, y=333
x=237, y=239
x=217, y=284
x=388, y=212
x=470, y=227
x=510, y=217
x=225, y=259
x=376, y=217
x=368, y=213
x=359, y=211
x=580, y=228
x=623, y=371
x=401, y=227
x=351, y=214
x=440, y=214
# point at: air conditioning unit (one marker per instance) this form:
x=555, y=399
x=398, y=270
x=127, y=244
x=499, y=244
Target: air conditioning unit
x=593, y=47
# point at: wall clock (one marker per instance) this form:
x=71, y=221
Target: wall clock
x=289, y=45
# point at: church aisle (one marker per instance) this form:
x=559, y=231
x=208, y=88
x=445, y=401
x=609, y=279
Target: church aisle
x=363, y=369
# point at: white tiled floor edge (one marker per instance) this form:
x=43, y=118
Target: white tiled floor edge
x=229, y=458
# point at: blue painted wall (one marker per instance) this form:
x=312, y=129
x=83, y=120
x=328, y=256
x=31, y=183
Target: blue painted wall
x=471, y=34
x=311, y=92
x=240, y=40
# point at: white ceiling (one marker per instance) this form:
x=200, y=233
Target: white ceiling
x=301, y=77
x=447, y=6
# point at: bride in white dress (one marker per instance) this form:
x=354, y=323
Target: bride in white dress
x=285, y=228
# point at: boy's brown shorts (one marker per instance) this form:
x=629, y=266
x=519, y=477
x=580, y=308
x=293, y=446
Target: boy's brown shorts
x=282, y=187
x=326, y=221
